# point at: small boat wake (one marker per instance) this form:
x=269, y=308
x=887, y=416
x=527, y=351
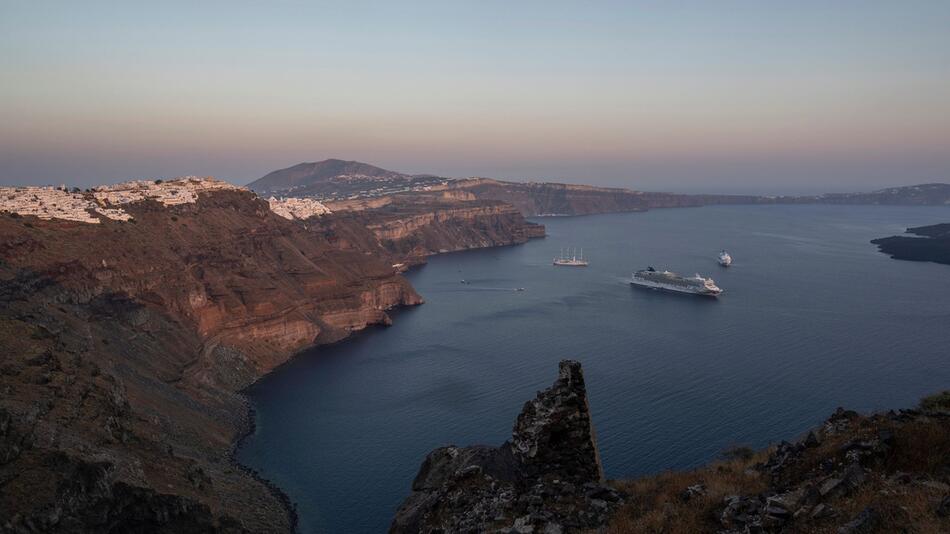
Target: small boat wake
x=472, y=287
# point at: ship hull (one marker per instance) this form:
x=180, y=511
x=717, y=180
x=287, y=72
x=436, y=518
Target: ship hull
x=658, y=286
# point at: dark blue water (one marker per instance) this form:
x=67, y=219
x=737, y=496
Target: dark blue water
x=812, y=317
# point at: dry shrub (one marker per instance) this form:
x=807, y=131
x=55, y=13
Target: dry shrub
x=936, y=402
x=922, y=447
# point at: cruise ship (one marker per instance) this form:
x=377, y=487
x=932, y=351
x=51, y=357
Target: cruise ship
x=665, y=280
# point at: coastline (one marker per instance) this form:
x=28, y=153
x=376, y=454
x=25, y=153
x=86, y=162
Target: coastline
x=247, y=428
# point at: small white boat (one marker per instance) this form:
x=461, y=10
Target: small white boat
x=725, y=259
x=573, y=261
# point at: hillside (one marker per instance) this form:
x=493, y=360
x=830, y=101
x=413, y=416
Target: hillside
x=334, y=179
x=936, y=194
x=126, y=344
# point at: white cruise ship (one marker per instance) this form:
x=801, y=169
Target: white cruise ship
x=665, y=280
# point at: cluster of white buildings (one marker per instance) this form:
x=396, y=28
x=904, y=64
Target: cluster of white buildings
x=297, y=208
x=55, y=203
x=60, y=203
x=182, y=190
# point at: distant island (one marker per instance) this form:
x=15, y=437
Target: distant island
x=348, y=185
x=932, y=245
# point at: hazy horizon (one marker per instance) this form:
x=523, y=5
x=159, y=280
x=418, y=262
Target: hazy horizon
x=736, y=96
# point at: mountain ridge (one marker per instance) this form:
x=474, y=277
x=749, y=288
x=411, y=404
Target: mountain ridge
x=339, y=180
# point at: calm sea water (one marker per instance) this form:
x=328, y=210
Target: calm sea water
x=812, y=317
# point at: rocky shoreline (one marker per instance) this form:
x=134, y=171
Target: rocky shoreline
x=246, y=430
x=931, y=244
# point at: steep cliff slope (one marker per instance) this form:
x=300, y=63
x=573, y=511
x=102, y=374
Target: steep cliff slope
x=124, y=345
x=542, y=198
x=409, y=227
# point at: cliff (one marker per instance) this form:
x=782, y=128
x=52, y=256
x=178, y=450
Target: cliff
x=541, y=198
x=853, y=474
x=933, y=244
x=936, y=194
x=420, y=227
x=409, y=227
x=125, y=346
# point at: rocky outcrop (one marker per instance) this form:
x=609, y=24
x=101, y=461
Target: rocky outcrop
x=125, y=345
x=932, y=244
x=885, y=472
x=546, y=479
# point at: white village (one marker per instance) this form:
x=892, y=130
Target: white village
x=89, y=206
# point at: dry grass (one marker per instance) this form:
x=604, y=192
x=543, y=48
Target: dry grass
x=907, y=509
x=921, y=449
x=654, y=504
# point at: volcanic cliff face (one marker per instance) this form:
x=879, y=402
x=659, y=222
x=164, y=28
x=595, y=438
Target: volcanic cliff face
x=547, y=478
x=124, y=345
x=534, y=199
x=409, y=227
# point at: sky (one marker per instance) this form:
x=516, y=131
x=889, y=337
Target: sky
x=689, y=96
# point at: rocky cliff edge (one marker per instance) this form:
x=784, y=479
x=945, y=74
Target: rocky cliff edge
x=548, y=478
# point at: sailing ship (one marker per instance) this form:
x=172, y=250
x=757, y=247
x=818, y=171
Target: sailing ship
x=572, y=261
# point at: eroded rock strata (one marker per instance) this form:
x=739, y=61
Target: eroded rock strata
x=125, y=345
x=545, y=198
x=547, y=478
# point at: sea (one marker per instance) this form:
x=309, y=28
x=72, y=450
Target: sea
x=812, y=317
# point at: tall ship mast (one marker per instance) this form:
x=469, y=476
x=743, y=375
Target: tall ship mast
x=667, y=281
x=572, y=261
